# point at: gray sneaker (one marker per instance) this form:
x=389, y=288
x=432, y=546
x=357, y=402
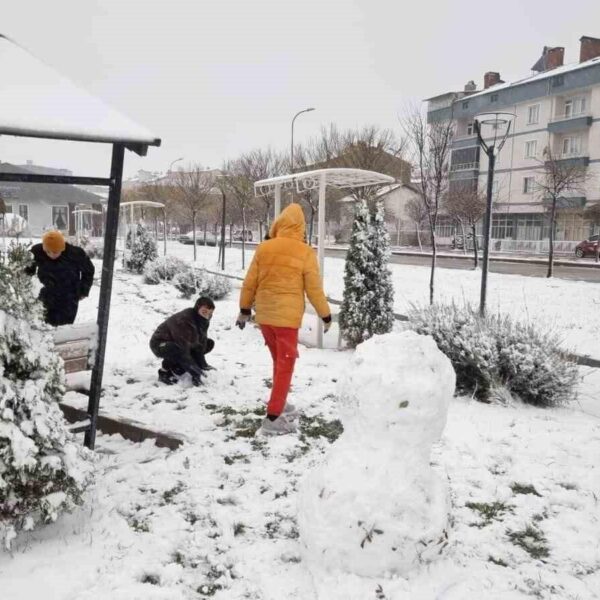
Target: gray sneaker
x=280, y=426
x=289, y=410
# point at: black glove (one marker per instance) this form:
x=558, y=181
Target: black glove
x=242, y=320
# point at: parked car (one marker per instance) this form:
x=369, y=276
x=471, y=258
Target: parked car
x=587, y=247
x=188, y=238
x=245, y=235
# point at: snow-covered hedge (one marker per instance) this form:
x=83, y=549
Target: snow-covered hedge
x=197, y=282
x=162, y=269
x=43, y=470
x=495, y=352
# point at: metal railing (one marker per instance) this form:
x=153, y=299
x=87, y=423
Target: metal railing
x=565, y=117
x=470, y=166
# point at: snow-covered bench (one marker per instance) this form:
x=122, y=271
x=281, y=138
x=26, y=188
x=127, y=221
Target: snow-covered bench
x=75, y=344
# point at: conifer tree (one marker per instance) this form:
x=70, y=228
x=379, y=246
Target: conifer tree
x=42, y=469
x=354, y=312
x=381, y=307
x=367, y=306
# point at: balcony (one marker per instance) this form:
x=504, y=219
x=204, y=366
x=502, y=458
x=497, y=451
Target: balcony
x=570, y=122
x=575, y=159
x=464, y=170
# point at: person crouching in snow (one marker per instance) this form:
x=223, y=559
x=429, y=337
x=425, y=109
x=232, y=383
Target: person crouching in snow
x=182, y=342
x=283, y=270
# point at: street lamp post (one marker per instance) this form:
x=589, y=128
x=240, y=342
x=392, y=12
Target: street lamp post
x=292, y=145
x=223, y=208
x=173, y=162
x=497, y=122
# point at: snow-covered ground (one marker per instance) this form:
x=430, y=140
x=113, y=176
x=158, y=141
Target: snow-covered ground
x=219, y=516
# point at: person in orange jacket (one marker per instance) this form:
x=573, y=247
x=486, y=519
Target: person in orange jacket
x=283, y=270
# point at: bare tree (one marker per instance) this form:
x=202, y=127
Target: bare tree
x=194, y=186
x=557, y=177
x=467, y=205
x=417, y=212
x=430, y=146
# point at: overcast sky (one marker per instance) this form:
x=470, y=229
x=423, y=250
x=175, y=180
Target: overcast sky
x=215, y=79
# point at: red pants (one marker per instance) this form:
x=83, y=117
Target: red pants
x=283, y=345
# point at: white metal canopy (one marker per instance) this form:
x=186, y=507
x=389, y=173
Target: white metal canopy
x=131, y=205
x=37, y=101
x=319, y=179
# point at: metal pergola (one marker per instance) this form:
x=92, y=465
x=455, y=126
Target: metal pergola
x=131, y=206
x=79, y=214
x=319, y=180
x=38, y=102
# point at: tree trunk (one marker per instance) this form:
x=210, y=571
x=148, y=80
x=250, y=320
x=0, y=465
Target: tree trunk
x=475, y=248
x=260, y=231
x=194, y=233
x=312, y=225
x=205, y=228
x=397, y=232
x=551, y=240
x=433, y=261
x=243, y=237
x=230, y=234
x=464, y=235
x=419, y=239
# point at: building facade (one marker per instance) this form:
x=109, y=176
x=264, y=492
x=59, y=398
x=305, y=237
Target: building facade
x=43, y=206
x=556, y=108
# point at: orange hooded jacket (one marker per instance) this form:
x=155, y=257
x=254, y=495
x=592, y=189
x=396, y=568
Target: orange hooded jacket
x=283, y=269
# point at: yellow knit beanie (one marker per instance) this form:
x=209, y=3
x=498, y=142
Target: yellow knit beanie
x=53, y=241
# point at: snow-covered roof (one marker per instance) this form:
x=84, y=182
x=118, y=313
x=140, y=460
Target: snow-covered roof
x=36, y=101
x=537, y=77
x=340, y=178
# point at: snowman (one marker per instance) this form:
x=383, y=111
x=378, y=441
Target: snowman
x=375, y=506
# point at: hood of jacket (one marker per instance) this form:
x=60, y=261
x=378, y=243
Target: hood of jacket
x=290, y=223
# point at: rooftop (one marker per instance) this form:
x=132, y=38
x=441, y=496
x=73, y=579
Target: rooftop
x=37, y=101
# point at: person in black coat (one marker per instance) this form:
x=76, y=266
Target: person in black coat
x=66, y=274
x=182, y=342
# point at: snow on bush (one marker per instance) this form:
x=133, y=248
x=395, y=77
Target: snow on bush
x=532, y=363
x=368, y=301
x=142, y=250
x=493, y=352
x=197, y=282
x=163, y=269
x=43, y=471
x=375, y=506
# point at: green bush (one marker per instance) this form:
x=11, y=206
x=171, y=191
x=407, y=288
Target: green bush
x=197, y=282
x=497, y=352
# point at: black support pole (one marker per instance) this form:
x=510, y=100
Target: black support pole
x=108, y=262
x=487, y=229
x=223, y=226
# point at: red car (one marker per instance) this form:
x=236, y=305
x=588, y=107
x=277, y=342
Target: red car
x=587, y=247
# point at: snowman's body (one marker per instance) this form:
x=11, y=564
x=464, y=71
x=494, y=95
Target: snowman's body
x=375, y=505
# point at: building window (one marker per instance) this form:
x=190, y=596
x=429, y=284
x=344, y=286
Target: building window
x=465, y=105
x=531, y=149
x=558, y=81
x=470, y=129
x=502, y=227
x=24, y=211
x=494, y=98
x=60, y=218
x=528, y=185
x=8, y=208
x=575, y=106
x=533, y=114
x=571, y=146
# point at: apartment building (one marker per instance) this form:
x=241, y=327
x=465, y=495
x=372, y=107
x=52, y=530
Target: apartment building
x=557, y=107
